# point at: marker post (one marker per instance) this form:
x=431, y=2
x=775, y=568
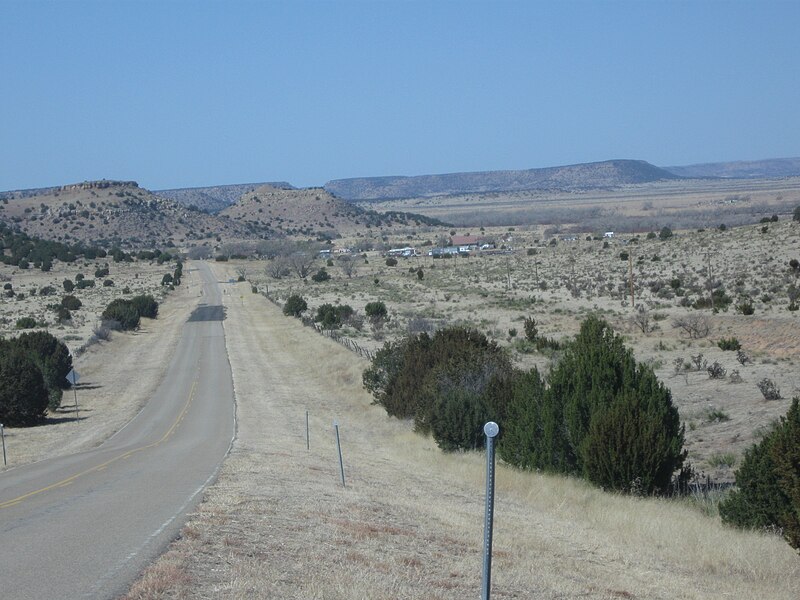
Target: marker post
x=491, y=430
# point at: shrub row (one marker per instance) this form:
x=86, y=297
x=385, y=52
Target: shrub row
x=599, y=414
x=128, y=312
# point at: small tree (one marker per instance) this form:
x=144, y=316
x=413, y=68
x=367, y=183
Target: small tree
x=348, y=265
x=320, y=276
x=665, y=233
x=146, y=306
x=376, y=311
x=278, y=267
x=695, y=326
x=531, y=331
x=295, y=306
x=301, y=263
x=23, y=394
x=633, y=446
x=796, y=214
x=122, y=311
x=53, y=359
x=641, y=319
x=604, y=396
x=71, y=302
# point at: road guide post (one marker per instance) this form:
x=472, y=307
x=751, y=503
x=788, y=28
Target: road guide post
x=73, y=378
x=308, y=439
x=491, y=430
x=3, y=435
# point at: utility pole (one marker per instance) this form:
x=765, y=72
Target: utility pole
x=630, y=278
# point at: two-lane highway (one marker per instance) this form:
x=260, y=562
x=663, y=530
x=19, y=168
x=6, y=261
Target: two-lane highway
x=83, y=526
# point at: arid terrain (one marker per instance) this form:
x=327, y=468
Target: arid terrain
x=278, y=523
x=408, y=524
x=679, y=204
x=559, y=284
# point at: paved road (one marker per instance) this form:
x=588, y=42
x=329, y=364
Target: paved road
x=83, y=526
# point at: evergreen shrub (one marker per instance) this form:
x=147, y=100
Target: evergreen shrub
x=767, y=494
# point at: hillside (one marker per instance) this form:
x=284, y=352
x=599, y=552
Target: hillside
x=743, y=169
x=604, y=174
x=311, y=212
x=213, y=199
x=109, y=213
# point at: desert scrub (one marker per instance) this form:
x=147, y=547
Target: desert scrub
x=722, y=460
x=729, y=344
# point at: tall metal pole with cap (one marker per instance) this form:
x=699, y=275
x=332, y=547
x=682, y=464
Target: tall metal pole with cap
x=491, y=430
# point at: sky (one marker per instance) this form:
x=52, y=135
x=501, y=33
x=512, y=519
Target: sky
x=193, y=93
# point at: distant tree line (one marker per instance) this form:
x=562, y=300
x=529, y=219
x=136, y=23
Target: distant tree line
x=20, y=249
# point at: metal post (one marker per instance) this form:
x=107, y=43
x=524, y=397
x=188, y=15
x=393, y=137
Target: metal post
x=75, y=391
x=491, y=430
x=3, y=435
x=339, y=447
x=308, y=441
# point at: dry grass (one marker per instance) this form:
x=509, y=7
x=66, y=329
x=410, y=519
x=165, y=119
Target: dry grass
x=560, y=285
x=278, y=524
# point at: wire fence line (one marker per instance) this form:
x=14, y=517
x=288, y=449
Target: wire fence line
x=333, y=334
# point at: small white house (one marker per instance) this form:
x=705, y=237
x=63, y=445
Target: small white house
x=608, y=234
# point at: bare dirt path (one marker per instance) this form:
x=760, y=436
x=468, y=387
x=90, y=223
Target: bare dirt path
x=278, y=523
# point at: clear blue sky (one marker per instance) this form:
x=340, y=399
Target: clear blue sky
x=178, y=94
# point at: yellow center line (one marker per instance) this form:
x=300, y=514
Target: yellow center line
x=68, y=480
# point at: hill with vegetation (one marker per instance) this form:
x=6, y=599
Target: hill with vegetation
x=215, y=198
x=610, y=173
x=312, y=212
x=116, y=213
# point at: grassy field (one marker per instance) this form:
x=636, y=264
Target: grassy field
x=278, y=523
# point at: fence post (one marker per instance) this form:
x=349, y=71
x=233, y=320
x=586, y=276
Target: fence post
x=491, y=430
x=308, y=440
x=339, y=447
x=3, y=435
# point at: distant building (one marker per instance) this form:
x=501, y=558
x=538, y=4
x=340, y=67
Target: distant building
x=608, y=234
x=468, y=241
x=439, y=252
x=404, y=252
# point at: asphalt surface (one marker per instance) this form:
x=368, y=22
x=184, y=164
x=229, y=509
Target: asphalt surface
x=85, y=525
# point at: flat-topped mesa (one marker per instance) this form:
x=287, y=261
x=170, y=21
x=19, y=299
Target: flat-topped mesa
x=97, y=185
